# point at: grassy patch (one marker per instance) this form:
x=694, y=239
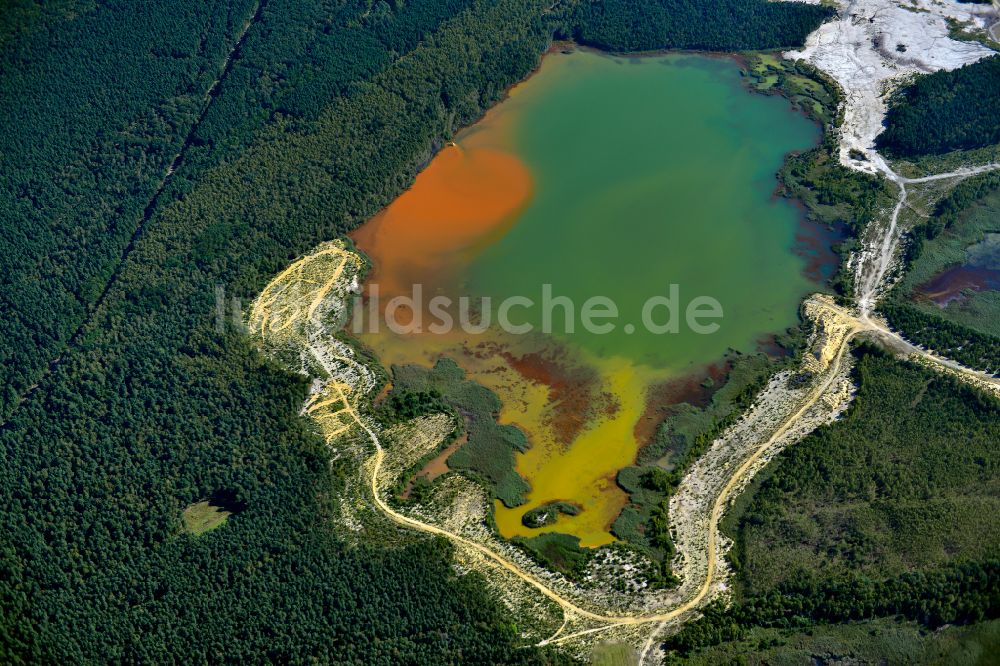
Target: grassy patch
x=613, y=654
x=204, y=516
x=966, y=32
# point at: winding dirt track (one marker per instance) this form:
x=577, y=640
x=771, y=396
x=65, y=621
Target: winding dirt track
x=860, y=325
x=308, y=313
x=873, y=267
x=566, y=604
x=569, y=607
x=273, y=320
x=872, y=278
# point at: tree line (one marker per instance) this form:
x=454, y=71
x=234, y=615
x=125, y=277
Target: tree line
x=328, y=110
x=944, y=111
x=956, y=594
x=969, y=347
x=723, y=25
x=885, y=512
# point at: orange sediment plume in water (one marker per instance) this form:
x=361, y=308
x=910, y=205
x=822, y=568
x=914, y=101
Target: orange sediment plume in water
x=465, y=196
x=579, y=413
x=575, y=415
x=573, y=391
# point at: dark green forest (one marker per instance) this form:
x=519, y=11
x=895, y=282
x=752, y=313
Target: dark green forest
x=955, y=594
x=150, y=157
x=947, y=338
x=891, y=511
x=77, y=186
x=96, y=104
x=945, y=111
x=105, y=100
x=906, y=480
x=722, y=25
x=153, y=408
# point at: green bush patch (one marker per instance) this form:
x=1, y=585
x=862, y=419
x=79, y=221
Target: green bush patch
x=560, y=552
x=548, y=514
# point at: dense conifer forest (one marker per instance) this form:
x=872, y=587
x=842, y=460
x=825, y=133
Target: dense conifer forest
x=947, y=338
x=890, y=511
x=945, y=111
x=724, y=25
x=150, y=157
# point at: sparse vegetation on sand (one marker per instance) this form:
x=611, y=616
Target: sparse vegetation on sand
x=681, y=438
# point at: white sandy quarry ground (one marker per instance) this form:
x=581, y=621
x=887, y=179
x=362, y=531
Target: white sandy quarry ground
x=860, y=49
x=870, y=48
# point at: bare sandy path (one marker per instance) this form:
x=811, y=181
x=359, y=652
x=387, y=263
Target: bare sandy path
x=292, y=313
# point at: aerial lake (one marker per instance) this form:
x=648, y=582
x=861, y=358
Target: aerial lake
x=625, y=178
